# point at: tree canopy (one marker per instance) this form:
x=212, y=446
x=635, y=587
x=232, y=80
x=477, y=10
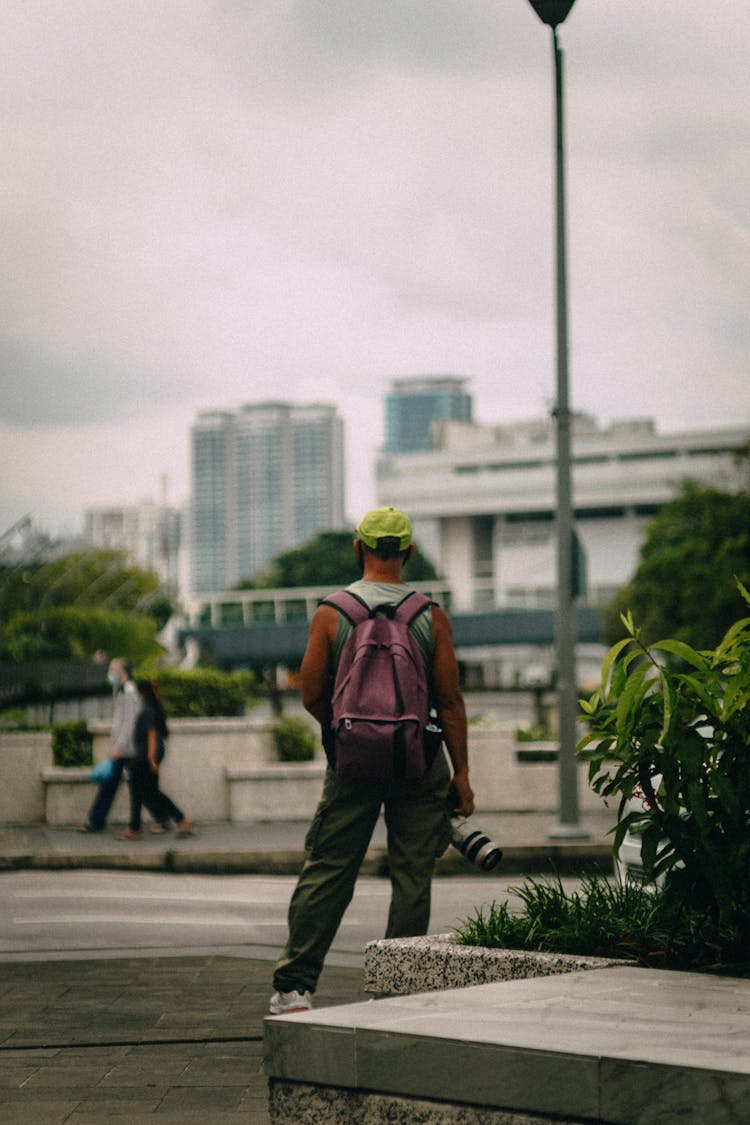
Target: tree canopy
x=684, y=586
x=327, y=560
x=80, y=604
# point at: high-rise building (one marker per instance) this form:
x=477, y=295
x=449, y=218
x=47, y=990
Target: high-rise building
x=266, y=478
x=149, y=532
x=212, y=527
x=414, y=404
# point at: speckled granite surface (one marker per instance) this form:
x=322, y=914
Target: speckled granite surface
x=402, y=966
x=320, y=1105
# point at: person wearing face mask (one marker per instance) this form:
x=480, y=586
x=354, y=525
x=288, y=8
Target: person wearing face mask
x=126, y=708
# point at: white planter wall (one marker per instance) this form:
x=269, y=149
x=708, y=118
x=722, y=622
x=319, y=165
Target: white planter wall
x=226, y=770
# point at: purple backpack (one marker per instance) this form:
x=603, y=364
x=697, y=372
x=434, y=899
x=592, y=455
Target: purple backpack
x=380, y=694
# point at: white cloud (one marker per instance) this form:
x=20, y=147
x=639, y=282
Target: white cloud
x=205, y=204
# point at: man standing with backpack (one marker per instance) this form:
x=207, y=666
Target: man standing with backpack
x=378, y=670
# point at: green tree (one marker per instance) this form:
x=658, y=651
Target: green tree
x=684, y=584
x=327, y=560
x=82, y=602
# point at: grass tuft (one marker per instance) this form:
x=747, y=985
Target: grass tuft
x=627, y=921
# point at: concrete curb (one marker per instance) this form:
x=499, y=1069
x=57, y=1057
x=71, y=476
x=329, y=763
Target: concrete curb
x=564, y=859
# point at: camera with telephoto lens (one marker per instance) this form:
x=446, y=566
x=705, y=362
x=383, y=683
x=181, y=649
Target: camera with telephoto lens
x=474, y=845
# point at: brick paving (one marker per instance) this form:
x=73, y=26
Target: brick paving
x=169, y=1040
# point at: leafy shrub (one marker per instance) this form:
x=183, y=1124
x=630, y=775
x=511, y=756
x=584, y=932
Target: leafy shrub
x=295, y=741
x=15, y=719
x=72, y=744
x=536, y=733
x=204, y=692
x=75, y=632
x=672, y=723
x=629, y=921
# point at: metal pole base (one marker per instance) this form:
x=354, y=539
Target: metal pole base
x=568, y=832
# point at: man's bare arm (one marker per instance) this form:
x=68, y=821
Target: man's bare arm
x=315, y=672
x=451, y=711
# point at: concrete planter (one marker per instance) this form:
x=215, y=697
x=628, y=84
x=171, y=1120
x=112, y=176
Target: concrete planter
x=23, y=756
x=537, y=753
x=68, y=793
x=281, y=791
x=200, y=755
x=495, y=1083
x=227, y=770
x=403, y=966
x=503, y=778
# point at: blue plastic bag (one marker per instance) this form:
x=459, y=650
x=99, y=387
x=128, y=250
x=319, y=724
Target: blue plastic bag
x=103, y=771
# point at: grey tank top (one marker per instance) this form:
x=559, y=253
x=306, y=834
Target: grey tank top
x=386, y=593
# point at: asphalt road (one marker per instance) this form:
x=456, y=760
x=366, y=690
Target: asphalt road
x=49, y=914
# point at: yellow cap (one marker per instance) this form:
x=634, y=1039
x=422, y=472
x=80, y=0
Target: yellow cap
x=385, y=523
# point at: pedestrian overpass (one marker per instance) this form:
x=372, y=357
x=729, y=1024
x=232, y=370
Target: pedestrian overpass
x=261, y=628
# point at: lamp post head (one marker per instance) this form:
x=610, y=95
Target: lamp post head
x=552, y=12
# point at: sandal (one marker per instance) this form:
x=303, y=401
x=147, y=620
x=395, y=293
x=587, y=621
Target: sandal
x=128, y=834
x=185, y=828
x=158, y=829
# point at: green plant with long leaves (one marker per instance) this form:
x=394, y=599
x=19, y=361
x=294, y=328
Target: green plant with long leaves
x=672, y=725
x=601, y=918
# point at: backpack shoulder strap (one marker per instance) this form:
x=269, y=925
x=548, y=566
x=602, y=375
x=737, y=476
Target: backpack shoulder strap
x=352, y=607
x=356, y=610
x=410, y=607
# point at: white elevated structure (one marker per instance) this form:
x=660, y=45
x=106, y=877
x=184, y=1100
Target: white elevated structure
x=275, y=606
x=482, y=502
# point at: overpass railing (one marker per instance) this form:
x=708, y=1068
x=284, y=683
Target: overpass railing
x=278, y=606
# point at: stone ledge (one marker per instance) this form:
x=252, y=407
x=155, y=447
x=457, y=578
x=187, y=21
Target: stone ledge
x=628, y=1046
x=277, y=791
x=278, y=771
x=66, y=775
x=326, y=1105
x=403, y=966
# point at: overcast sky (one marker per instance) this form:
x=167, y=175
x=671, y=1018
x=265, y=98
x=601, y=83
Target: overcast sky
x=210, y=203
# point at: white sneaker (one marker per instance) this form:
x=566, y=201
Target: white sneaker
x=284, y=1002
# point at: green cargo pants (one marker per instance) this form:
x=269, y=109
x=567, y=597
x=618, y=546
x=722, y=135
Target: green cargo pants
x=418, y=830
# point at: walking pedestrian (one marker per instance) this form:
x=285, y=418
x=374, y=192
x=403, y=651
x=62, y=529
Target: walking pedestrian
x=416, y=808
x=149, y=739
x=126, y=708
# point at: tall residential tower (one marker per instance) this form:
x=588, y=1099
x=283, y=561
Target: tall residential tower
x=266, y=478
x=415, y=404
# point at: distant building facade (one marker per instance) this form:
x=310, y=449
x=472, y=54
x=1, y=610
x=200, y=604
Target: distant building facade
x=150, y=533
x=415, y=404
x=482, y=501
x=265, y=479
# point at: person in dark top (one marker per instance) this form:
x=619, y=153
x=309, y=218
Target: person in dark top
x=149, y=737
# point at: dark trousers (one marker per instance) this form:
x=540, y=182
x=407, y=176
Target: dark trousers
x=144, y=790
x=105, y=795
x=418, y=828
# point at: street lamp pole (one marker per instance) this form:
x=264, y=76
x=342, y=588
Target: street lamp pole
x=553, y=13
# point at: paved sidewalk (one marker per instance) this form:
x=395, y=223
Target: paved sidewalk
x=168, y=1040
x=180, y=1039
x=276, y=847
